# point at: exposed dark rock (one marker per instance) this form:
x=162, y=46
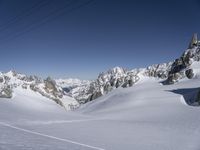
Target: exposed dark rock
x=173, y=78
x=24, y=86
x=34, y=87
x=95, y=95
x=189, y=73
x=177, y=66
x=6, y=78
x=14, y=73
x=184, y=62
x=161, y=75
x=108, y=87
x=193, y=42
x=119, y=82
x=1, y=79
x=6, y=92
x=50, y=85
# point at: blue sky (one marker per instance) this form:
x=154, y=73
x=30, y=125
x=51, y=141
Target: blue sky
x=73, y=38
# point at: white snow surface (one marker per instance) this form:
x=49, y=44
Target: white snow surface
x=147, y=116
x=196, y=68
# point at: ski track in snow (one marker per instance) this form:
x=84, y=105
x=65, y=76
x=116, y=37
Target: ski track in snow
x=59, y=121
x=49, y=136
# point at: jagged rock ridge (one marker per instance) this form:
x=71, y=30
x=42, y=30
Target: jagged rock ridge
x=47, y=88
x=84, y=91
x=119, y=77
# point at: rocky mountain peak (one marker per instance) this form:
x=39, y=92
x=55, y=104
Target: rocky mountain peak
x=84, y=90
x=117, y=70
x=170, y=73
x=179, y=68
x=194, y=41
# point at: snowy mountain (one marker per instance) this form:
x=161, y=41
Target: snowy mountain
x=171, y=72
x=83, y=91
x=159, y=109
x=11, y=82
x=75, y=88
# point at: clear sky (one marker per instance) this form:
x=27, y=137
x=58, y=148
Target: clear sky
x=80, y=38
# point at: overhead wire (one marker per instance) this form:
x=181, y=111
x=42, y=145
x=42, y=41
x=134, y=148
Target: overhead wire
x=56, y=13
x=26, y=13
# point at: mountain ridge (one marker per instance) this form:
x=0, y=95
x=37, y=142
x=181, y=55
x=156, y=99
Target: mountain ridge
x=83, y=91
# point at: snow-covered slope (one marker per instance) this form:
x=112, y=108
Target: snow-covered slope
x=11, y=82
x=159, y=110
x=151, y=115
x=171, y=72
x=148, y=115
x=84, y=91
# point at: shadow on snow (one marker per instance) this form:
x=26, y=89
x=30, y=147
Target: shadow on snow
x=189, y=94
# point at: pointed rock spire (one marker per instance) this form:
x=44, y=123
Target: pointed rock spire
x=194, y=41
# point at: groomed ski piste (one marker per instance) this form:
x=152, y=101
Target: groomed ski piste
x=146, y=116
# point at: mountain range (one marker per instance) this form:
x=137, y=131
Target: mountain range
x=153, y=108
x=71, y=93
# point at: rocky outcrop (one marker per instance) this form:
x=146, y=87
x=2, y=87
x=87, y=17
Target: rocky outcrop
x=175, y=77
x=179, y=68
x=6, y=92
x=84, y=91
x=194, y=41
x=1, y=79
x=176, y=72
x=50, y=87
x=106, y=82
x=47, y=88
x=119, y=77
x=158, y=70
x=189, y=73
